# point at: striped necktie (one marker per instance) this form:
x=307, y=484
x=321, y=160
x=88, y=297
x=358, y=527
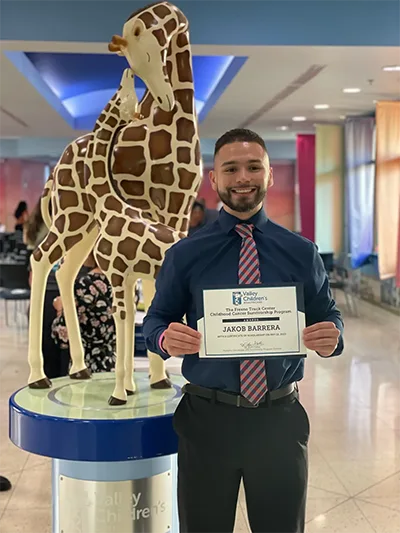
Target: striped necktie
x=253, y=378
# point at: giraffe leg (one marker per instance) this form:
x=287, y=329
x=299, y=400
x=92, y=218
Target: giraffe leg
x=158, y=376
x=119, y=396
x=65, y=279
x=130, y=385
x=41, y=263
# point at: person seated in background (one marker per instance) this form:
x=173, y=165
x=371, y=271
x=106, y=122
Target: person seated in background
x=21, y=216
x=197, y=217
x=34, y=230
x=93, y=298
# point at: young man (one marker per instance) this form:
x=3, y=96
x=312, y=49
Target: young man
x=226, y=434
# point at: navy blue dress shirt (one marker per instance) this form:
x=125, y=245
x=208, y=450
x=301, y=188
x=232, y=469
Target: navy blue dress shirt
x=211, y=258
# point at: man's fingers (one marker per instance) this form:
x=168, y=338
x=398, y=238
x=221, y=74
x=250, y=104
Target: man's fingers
x=182, y=328
x=181, y=337
x=321, y=326
x=182, y=344
x=325, y=334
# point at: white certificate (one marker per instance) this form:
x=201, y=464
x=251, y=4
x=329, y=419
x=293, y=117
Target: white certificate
x=252, y=322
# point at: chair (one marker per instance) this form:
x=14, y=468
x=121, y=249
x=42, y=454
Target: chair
x=14, y=286
x=341, y=279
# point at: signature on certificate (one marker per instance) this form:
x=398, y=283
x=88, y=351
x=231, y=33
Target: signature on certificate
x=256, y=345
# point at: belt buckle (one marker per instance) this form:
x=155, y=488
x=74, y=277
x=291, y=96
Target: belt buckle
x=249, y=404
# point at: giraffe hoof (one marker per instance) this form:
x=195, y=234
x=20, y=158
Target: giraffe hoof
x=44, y=383
x=116, y=401
x=82, y=374
x=130, y=392
x=163, y=384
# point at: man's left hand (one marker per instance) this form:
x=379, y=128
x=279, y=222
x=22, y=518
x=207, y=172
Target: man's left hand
x=322, y=338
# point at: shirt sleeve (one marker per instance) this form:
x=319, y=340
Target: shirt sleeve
x=169, y=303
x=319, y=303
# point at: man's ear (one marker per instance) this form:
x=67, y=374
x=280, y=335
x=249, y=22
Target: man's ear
x=212, y=178
x=271, y=177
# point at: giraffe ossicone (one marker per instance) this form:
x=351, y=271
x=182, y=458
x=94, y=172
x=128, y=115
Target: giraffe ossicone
x=127, y=189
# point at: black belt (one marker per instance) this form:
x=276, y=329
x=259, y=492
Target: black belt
x=282, y=395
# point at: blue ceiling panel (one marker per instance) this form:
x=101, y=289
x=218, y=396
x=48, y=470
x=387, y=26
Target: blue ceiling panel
x=83, y=83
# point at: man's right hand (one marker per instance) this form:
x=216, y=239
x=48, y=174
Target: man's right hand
x=181, y=340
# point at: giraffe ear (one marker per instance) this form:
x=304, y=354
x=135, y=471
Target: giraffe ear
x=138, y=28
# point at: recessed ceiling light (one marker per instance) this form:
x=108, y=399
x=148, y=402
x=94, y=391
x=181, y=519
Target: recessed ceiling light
x=282, y=128
x=299, y=119
x=374, y=101
x=321, y=106
x=352, y=90
x=342, y=117
x=392, y=68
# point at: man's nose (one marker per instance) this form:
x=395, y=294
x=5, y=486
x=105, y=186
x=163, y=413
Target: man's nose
x=243, y=176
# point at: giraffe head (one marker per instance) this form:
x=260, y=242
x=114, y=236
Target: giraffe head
x=145, y=41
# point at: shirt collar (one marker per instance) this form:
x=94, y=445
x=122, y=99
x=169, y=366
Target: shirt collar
x=228, y=221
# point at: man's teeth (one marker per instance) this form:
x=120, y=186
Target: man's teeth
x=242, y=191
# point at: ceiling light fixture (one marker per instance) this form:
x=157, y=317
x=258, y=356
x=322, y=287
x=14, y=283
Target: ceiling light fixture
x=282, y=128
x=342, y=117
x=321, y=106
x=391, y=68
x=352, y=90
x=299, y=119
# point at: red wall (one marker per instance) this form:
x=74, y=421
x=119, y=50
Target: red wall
x=280, y=201
x=19, y=180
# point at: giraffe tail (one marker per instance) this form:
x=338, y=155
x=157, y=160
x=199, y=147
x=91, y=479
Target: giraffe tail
x=45, y=201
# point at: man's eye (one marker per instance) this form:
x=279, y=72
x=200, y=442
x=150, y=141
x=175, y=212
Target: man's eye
x=230, y=169
x=255, y=169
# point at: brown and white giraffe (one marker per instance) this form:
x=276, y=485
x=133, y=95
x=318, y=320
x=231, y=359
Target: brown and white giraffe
x=72, y=232
x=159, y=156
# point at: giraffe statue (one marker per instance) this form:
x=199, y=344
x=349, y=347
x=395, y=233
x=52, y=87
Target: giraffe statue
x=157, y=160
x=72, y=231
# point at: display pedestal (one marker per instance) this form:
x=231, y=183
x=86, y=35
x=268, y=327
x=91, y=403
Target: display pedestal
x=114, y=467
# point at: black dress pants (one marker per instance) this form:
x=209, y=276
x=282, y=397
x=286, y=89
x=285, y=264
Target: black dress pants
x=219, y=445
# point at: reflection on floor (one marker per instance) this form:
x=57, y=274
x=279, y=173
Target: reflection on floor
x=354, y=405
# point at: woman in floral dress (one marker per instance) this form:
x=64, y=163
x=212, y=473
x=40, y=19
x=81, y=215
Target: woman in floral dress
x=93, y=297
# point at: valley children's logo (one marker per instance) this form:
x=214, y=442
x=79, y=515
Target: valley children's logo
x=237, y=298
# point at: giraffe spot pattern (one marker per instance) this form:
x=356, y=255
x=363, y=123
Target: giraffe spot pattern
x=170, y=26
x=68, y=156
x=101, y=190
x=60, y=223
x=158, y=197
x=164, y=118
x=160, y=144
x=133, y=188
x=116, y=280
x=65, y=178
x=104, y=135
x=157, y=269
x=182, y=40
x=115, y=225
x=91, y=226
x=161, y=11
x=80, y=169
x=72, y=240
x=128, y=248
x=183, y=21
x=119, y=294
x=123, y=315
x=145, y=106
x=136, y=228
x=113, y=204
x=120, y=265
x=129, y=160
x=104, y=247
x=161, y=234
x=163, y=174
x=139, y=203
x=148, y=19
x=183, y=155
x=185, y=130
x=77, y=221
x=134, y=133
x=186, y=179
x=55, y=254
x=101, y=149
x=186, y=98
x=81, y=144
x=37, y=254
x=99, y=169
x=112, y=122
x=88, y=201
x=152, y=250
x=160, y=36
x=176, y=200
x=142, y=266
x=68, y=199
x=189, y=204
x=103, y=263
x=197, y=153
x=173, y=221
x=170, y=68
x=90, y=151
x=103, y=216
x=184, y=67
x=185, y=225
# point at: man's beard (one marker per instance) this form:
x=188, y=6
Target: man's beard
x=244, y=204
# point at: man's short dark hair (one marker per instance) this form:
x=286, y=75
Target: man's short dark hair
x=238, y=135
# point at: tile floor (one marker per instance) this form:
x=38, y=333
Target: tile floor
x=354, y=405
